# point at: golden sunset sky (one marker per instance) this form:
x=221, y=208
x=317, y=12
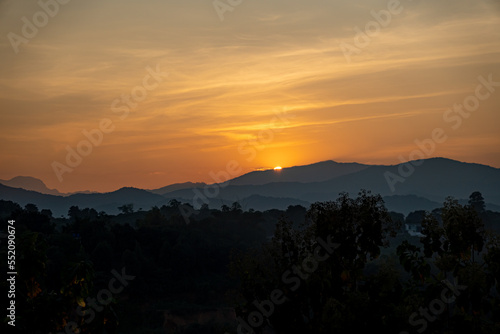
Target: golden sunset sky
x=228, y=79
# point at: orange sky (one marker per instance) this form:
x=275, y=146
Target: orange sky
x=227, y=80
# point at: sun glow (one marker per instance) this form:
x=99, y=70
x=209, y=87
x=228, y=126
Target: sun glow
x=278, y=168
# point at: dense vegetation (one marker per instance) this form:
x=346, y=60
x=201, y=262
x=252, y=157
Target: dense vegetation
x=345, y=266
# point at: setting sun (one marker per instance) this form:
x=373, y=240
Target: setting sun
x=278, y=168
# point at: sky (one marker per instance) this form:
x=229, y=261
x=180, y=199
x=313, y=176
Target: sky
x=98, y=95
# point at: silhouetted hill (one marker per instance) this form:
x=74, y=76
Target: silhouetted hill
x=23, y=197
x=262, y=203
x=108, y=202
x=82, y=192
x=29, y=183
x=407, y=203
x=317, y=172
x=434, y=179
x=177, y=186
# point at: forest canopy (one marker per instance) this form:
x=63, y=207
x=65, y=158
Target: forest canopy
x=347, y=265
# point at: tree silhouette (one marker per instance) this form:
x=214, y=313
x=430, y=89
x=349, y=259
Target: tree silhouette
x=126, y=208
x=476, y=201
x=348, y=233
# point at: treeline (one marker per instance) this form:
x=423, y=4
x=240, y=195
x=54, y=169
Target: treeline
x=180, y=265
x=340, y=266
x=328, y=276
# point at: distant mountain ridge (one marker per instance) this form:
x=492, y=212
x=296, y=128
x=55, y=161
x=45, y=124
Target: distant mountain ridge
x=177, y=186
x=321, y=171
x=30, y=183
x=433, y=180
x=108, y=202
x=426, y=187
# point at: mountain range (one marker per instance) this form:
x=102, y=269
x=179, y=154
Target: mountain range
x=30, y=183
x=416, y=185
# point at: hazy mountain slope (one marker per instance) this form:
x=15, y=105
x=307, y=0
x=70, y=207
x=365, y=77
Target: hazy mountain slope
x=407, y=203
x=108, y=202
x=23, y=197
x=320, y=171
x=176, y=186
x=262, y=203
x=29, y=183
x=434, y=179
